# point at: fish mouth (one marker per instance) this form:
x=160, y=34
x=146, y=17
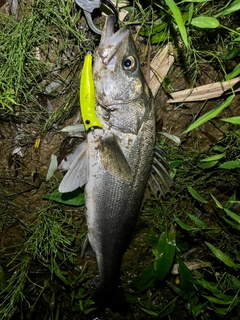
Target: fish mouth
x=110, y=40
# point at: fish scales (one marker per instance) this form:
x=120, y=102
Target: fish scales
x=116, y=160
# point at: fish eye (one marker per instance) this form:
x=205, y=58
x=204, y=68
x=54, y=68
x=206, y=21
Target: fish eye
x=129, y=63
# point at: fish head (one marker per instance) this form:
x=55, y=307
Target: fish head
x=117, y=74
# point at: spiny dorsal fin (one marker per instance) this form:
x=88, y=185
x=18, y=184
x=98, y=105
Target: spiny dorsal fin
x=159, y=181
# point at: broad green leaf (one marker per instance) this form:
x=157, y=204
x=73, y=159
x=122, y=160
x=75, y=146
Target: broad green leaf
x=145, y=280
x=213, y=158
x=233, y=215
x=166, y=252
x=233, y=120
x=217, y=202
x=205, y=22
x=230, y=54
x=184, y=225
x=179, y=20
x=197, y=221
x=222, y=256
x=234, y=73
x=52, y=167
x=235, y=164
x=211, y=114
x=186, y=279
x=235, y=6
x=196, y=195
x=74, y=198
x=207, y=165
x=152, y=239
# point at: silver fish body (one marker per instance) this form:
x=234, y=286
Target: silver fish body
x=114, y=162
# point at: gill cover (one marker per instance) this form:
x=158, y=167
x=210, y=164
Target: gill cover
x=87, y=95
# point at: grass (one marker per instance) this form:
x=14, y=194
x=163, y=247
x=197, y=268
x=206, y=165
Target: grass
x=41, y=276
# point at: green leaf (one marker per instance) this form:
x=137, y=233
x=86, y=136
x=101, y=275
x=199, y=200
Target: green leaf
x=234, y=73
x=222, y=256
x=166, y=252
x=211, y=114
x=179, y=20
x=152, y=313
x=233, y=120
x=145, y=280
x=217, y=202
x=197, y=221
x=196, y=195
x=208, y=285
x=205, y=22
x=186, y=279
x=74, y=198
x=184, y=225
x=235, y=6
x=233, y=215
x=207, y=165
x=215, y=300
x=235, y=164
x=213, y=158
x=230, y=54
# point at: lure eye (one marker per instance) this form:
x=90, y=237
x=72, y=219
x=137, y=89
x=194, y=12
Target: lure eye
x=129, y=63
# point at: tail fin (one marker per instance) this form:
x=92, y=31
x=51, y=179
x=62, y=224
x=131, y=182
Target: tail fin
x=112, y=298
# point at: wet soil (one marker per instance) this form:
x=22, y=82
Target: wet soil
x=23, y=170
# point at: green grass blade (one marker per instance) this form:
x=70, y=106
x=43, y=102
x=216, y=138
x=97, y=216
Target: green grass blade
x=213, y=158
x=179, y=20
x=184, y=225
x=196, y=195
x=211, y=114
x=233, y=7
x=222, y=256
x=233, y=215
x=233, y=120
x=217, y=202
x=197, y=221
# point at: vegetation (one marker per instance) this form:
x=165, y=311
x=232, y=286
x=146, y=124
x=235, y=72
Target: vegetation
x=188, y=263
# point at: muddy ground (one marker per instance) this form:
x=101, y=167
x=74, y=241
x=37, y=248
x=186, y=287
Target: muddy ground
x=23, y=170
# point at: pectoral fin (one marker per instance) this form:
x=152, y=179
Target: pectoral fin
x=113, y=159
x=77, y=166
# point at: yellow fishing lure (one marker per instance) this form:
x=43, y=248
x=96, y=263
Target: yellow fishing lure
x=87, y=95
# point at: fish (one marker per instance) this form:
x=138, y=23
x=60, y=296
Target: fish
x=116, y=162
